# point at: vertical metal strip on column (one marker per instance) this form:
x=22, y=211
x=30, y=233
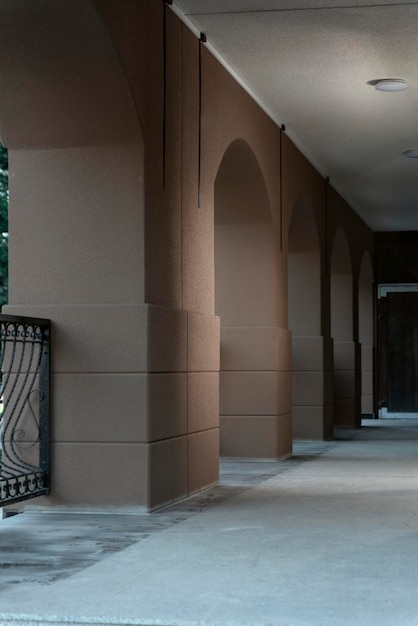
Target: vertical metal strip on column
x=201, y=40
x=165, y=2
x=326, y=227
x=282, y=130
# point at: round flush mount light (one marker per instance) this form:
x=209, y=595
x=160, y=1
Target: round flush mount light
x=411, y=154
x=389, y=84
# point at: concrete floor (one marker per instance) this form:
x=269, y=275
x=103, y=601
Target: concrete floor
x=329, y=537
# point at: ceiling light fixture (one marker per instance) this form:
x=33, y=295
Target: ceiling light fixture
x=411, y=154
x=389, y=84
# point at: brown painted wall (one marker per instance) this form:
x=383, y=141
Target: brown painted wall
x=180, y=217
x=348, y=354
x=172, y=113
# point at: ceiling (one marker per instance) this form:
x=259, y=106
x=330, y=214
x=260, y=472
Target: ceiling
x=308, y=63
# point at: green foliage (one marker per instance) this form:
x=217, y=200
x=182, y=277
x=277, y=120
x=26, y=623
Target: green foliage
x=4, y=205
x=4, y=165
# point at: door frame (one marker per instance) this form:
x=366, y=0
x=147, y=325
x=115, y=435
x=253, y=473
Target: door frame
x=381, y=345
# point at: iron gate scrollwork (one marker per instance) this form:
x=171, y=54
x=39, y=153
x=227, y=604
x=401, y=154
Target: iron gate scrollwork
x=24, y=408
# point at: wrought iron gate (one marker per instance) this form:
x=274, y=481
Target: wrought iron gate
x=24, y=408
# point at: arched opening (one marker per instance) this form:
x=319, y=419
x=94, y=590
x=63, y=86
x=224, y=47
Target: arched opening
x=245, y=302
x=366, y=333
x=243, y=242
x=346, y=405
x=312, y=410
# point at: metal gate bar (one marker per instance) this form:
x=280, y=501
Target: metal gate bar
x=24, y=408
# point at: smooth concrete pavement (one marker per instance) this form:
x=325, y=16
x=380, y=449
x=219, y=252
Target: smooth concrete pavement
x=329, y=537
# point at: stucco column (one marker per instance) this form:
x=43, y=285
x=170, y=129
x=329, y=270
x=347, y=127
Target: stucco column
x=367, y=408
x=255, y=403
x=347, y=373
x=76, y=257
x=312, y=387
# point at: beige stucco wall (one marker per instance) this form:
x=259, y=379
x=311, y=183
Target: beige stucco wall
x=119, y=172
x=241, y=153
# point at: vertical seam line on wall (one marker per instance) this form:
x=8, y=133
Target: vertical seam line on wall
x=183, y=99
x=164, y=89
x=181, y=164
x=199, y=166
x=281, y=191
x=326, y=226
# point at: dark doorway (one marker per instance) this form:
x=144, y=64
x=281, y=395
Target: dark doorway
x=398, y=321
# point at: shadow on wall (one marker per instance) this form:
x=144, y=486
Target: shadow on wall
x=245, y=302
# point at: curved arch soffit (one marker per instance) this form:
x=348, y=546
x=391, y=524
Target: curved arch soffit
x=244, y=242
x=81, y=95
x=366, y=274
x=240, y=180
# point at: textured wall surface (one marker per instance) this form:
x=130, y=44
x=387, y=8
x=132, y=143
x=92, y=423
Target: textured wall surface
x=151, y=208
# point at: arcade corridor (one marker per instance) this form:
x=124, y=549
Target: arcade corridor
x=327, y=537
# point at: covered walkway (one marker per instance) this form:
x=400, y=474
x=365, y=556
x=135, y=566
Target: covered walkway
x=328, y=537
